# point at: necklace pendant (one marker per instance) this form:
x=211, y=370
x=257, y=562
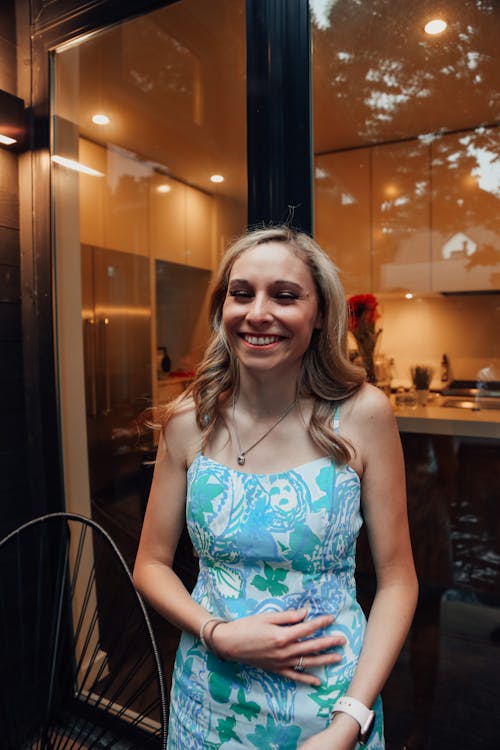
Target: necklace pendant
x=241, y=458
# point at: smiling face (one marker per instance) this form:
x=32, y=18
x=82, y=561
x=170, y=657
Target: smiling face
x=271, y=308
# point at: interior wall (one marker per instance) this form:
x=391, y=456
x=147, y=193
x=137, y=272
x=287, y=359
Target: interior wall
x=422, y=329
x=14, y=507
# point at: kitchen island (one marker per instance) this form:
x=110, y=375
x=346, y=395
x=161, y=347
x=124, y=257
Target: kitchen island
x=435, y=419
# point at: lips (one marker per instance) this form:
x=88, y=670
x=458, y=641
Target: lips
x=260, y=340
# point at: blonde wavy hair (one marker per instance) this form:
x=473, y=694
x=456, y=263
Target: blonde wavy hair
x=327, y=376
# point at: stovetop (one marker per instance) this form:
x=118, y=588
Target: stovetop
x=487, y=388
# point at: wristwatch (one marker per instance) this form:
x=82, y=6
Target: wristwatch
x=363, y=715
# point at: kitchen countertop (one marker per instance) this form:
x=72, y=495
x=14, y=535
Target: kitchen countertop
x=440, y=420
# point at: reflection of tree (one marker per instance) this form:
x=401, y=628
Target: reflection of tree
x=485, y=256
x=378, y=77
x=466, y=168
x=465, y=178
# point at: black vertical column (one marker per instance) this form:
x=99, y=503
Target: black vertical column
x=279, y=113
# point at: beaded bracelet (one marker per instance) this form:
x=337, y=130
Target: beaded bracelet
x=218, y=621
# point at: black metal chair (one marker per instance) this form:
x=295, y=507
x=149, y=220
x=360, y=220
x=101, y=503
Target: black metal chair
x=78, y=660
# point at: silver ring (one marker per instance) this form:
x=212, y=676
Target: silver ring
x=299, y=667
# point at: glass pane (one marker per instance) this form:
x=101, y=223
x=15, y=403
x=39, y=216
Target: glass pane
x=407, y=199
x=149, y=183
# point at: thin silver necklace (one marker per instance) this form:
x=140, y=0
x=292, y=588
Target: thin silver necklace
x=243, y=453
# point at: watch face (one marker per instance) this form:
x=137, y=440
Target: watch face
x=366, y=730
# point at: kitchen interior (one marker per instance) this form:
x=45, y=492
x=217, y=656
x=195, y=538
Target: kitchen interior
x=149, y=149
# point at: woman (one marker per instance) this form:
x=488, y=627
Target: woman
x=271, y=456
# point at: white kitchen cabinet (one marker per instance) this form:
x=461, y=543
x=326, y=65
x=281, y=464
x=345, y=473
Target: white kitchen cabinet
x=180, y=223
x=466, y=211
x=92, y=189
x=342, y=215
x=114, y=206
x=126, y=199
x=199, y=228
x=401, y=217
x=167, y=219
x=136, y=210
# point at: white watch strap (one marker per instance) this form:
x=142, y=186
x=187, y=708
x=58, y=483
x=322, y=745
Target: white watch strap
x=356, y=709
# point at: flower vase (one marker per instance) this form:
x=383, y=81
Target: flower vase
x=363, y=315
x=367, y=344
x=367, y=354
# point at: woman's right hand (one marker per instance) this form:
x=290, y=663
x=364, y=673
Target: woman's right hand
x=274, y=641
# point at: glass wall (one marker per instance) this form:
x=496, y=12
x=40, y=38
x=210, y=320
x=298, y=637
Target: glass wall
x=149, y=184
x=407, y=196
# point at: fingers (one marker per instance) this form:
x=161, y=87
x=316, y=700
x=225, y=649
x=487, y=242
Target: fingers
x=309, y=627
x=304, y=677
x=298, y=671
x=287, y=616
x=299, y=627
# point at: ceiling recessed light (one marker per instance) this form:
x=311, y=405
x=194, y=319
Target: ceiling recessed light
x=163, y=189
x=391, y=190
x=6, y=141
x=100, y=119
x=409, y=295
x=435, y=26
x=217, y=178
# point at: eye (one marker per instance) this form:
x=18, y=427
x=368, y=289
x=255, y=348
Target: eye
x=240, y=294
x=285, y=296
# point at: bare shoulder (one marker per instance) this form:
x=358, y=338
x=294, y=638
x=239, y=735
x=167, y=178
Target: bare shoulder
x=369, y=408
x=181, y=435
x=367, y=420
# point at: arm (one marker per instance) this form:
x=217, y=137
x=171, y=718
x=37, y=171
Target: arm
x=260, y=640
x=162, y=527
x=371, y=426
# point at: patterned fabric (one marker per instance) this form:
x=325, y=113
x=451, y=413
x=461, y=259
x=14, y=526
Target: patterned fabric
x=268, y=542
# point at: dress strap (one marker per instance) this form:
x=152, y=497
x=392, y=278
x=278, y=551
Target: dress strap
x=336, y=418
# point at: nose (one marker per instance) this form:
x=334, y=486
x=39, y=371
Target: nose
x=259, y=311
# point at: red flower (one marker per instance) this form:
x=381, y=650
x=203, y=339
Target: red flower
x=362, y=311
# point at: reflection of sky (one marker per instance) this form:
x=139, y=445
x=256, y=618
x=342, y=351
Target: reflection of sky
x=320, y=10
x=487, y=171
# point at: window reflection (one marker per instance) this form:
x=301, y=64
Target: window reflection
x=406, y=194
x=144, y=114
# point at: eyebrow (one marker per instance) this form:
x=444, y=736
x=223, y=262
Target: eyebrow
x=277, y=282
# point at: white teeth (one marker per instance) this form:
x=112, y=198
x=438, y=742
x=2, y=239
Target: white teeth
x=261, y=340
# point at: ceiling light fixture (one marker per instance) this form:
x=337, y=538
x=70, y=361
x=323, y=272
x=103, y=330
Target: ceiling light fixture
x=163, y=189
x=75, y=166
x=435, y=26
x=409, y=295
x=217, y=178
x=6, y=141
x=100, y=119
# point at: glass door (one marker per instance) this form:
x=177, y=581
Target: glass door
x=149, y=183
x=407, y=198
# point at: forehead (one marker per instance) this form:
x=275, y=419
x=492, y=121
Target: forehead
x=272, y=259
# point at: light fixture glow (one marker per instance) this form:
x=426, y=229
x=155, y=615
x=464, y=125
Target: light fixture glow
x=6, y=141
x=217, y=178
x=409, y=295
x=75, y=165
x=100, y=119
x=163, y=189
x=391, y=190
x=436, y=26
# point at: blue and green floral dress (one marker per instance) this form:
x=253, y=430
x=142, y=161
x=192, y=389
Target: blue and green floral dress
x=267, y=543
